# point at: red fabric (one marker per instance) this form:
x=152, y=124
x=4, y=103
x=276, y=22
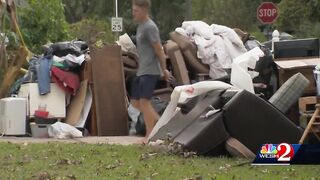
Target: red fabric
x=68, y=81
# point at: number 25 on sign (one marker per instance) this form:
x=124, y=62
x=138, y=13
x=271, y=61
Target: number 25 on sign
x=116, y=24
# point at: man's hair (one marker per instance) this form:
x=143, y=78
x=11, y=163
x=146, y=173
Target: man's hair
x=142, y=3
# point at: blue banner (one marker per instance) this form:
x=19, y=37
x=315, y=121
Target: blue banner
x=286, y=154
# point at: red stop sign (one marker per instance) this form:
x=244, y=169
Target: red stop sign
x=267, y=12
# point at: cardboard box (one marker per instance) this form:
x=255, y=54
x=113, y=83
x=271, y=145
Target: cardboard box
x=55, y=101
x=290, y=67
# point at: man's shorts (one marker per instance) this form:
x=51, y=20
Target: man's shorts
x=142, y=87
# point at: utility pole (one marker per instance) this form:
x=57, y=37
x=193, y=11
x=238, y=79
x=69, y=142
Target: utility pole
x=188, y=10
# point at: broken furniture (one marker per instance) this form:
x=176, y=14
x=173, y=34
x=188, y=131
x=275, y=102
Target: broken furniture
x=254, y=121
x=307, y=105
x=306, y=109
x=293, y=56
x=189, y=51
x=109, y=91
x=130, y=64
x=180, y=71
x=290, y=92
x=289, y=67
x=299, y=48
x=206, y=133
x=246, y=117
x=314, y=122
x=237, y=149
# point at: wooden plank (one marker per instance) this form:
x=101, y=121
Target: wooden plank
x=298, y=63
x=177, y=62
x=304, y=101
x=93, y=117
x=109, y=91
x=309, y=126
x=75, y=108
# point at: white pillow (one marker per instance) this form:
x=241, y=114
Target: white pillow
x=200, y=28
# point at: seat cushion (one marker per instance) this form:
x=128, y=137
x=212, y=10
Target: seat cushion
x=254, y=121
x=204, y=134
x=289, y=92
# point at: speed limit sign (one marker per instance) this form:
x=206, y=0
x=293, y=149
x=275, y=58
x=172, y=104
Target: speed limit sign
x=116, y=24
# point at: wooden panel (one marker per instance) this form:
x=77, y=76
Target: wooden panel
x=109, y=91
x=93, y=118
x=298, y=63
x=74, y=110
x=177, y=62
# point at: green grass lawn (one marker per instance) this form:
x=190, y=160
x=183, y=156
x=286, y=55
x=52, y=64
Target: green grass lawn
x=101, y=161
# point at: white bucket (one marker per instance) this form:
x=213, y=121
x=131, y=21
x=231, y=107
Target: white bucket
x=317, y=78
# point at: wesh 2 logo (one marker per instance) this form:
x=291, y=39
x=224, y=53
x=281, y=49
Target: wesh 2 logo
x=283, y=152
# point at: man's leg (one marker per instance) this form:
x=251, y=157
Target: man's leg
x=136, y=104
x=150, y=116
x=135, y=93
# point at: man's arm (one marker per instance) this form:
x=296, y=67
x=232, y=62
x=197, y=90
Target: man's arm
x=161, y=56
x=159, y=52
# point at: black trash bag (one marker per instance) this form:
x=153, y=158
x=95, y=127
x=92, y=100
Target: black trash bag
x=159, y=106
x=61, y=49
x=265, y=68
x=252, y=43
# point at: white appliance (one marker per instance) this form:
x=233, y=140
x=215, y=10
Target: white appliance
x=55, y=101
x=13, y=112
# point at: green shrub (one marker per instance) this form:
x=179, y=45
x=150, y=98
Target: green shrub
x=92, y=30
x=42, y=22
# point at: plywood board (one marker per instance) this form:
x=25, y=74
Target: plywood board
x=77, y=103
x=109, y=91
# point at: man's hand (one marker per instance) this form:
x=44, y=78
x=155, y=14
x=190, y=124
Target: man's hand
x=167, y=76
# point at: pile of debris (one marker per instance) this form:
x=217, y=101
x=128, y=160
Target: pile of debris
x=224, y=97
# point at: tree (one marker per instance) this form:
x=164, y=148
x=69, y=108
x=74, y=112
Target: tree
x=42, y=22
x=167, y=14
x=232, y=13
x=90, y=30
x=300, y=17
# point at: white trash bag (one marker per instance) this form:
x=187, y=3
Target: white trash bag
x=61, y=130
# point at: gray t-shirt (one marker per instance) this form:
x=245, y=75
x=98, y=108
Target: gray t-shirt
x=148, y=34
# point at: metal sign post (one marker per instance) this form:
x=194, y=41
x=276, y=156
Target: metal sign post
x=116, y=22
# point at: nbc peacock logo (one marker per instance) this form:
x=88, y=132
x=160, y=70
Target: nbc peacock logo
x=268, y=151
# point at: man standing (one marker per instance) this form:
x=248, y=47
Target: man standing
x=151, y=63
